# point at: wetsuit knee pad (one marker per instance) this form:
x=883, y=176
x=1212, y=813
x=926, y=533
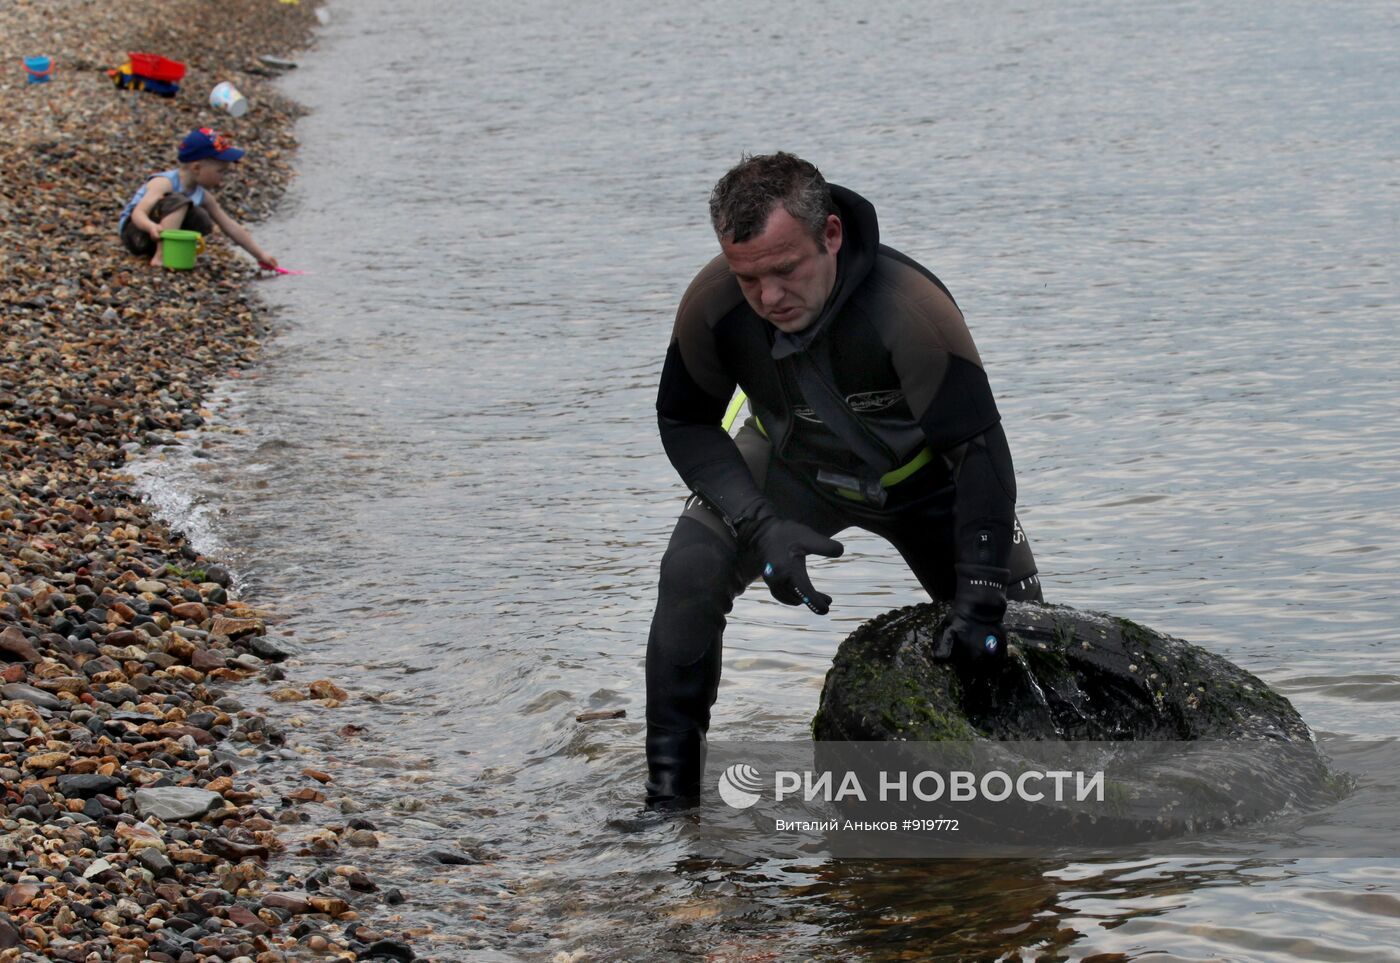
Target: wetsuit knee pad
x=697, y=588
x=696, y=559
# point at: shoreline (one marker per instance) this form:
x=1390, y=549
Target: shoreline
x=128, y=827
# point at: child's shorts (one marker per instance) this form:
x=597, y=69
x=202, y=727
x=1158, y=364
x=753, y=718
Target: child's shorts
x=139, y=242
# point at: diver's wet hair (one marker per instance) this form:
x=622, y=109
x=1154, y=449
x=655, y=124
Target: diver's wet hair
x=753, y=188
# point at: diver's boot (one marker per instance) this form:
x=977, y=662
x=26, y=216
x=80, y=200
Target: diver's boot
x=675, y=767
x=679, y=698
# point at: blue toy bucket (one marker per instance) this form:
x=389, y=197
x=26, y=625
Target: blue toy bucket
x=39, y=69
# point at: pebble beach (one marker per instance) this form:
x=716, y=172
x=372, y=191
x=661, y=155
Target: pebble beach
x=133, y=824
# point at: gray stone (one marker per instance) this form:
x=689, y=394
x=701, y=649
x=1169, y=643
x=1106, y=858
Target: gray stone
x=118, y=694
x=176, y=802
x=86, y=786
x=27, y=693
x=270, y=648
x=388, y=950
x=156, y=862
x=449, y=858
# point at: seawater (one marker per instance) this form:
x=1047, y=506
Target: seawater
x=1173, y=231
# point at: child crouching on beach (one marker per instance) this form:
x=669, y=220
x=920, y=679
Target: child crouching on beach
x=180, y=199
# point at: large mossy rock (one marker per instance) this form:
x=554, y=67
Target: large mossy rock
x=1070, y=675
x=1192, y=743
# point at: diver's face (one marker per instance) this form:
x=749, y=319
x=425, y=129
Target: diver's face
x=785, y=275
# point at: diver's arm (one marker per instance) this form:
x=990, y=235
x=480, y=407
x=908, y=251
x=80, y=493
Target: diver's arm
x=709, y=463
x=984, y=515
x=985, y=483
x=700, y=450
x=948, y=392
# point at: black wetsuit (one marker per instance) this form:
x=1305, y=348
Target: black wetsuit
x=885, y=379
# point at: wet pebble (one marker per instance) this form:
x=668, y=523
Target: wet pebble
x=449, y=858
x=173, y=803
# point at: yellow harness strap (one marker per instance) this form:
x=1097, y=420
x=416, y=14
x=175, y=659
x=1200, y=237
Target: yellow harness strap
x=736, y=404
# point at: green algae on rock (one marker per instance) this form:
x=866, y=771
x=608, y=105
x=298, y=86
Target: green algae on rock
x=1071, y=675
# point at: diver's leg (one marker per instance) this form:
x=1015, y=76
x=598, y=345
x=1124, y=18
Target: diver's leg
x=925, y=540
x=700, y=576
x=702, y=572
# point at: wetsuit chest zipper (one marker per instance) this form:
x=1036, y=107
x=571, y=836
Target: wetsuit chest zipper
x=860, y=426
x=790, y=393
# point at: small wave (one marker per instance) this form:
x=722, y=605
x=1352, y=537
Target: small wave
x=167, y=485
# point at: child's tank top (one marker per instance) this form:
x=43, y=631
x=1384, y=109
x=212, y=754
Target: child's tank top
x=196, y=197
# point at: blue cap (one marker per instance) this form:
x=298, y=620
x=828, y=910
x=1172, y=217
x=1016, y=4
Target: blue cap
x=206, y=143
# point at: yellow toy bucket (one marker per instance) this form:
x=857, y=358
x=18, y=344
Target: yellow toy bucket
x=178, y=248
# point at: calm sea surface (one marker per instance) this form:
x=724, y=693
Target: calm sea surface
x=1174, y=229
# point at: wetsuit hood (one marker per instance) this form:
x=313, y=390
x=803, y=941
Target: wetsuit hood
x=860, y=240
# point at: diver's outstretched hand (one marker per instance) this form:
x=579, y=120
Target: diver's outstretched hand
x=783, y=546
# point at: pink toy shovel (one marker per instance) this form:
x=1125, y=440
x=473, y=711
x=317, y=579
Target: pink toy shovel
x=280, y=270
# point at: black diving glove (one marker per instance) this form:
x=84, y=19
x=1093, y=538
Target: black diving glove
x=975, y=637
x=783, y=546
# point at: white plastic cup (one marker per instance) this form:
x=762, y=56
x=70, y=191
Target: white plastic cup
x=226, y=97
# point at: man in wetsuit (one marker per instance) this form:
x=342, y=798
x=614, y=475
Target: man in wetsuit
x=870, y=409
